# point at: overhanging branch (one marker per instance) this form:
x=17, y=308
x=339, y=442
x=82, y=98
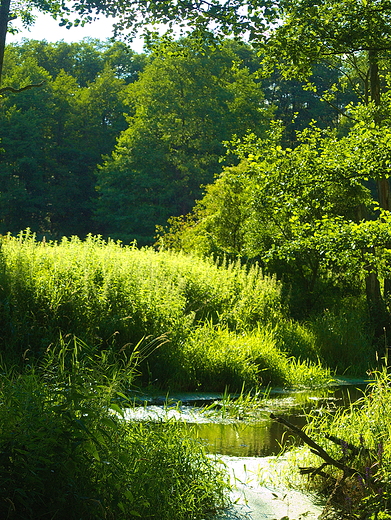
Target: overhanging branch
x=17, y=90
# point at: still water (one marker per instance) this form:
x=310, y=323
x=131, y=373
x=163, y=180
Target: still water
x=257, y=436
x=265, y=437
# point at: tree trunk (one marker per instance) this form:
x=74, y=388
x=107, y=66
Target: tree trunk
x=375, y=300
x=376, y=305
x=374, y=79
x=4, y=19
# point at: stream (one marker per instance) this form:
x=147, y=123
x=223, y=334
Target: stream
x=249, y=445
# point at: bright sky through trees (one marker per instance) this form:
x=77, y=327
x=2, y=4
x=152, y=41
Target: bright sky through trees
x=46, y=28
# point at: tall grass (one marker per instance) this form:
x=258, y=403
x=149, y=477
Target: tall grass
x=217, y=318
x=214, y=356
x=67, y=453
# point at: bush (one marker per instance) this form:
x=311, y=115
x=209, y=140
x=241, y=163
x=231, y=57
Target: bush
x=215, y=358
x=66, y=452
x=342, y=337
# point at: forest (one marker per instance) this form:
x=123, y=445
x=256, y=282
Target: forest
x=118, y=142
x=212, y=214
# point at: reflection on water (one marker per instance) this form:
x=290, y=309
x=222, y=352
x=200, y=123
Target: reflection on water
x=265, y=437
x=246, y=441
x=258, y=435
x=242, y=440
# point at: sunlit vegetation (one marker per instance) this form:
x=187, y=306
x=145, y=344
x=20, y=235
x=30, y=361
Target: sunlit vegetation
x=67, y=452
x=357, y=437
x=263, y=169
x=84, y=322
x=221, y=325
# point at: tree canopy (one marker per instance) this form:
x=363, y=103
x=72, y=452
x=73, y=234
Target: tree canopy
x=184, y=106
x=54, y=136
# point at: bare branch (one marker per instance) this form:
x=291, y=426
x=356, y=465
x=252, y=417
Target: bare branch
x=17, y=90
x=339, y=110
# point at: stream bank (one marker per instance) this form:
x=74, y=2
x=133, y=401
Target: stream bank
x=247, y=445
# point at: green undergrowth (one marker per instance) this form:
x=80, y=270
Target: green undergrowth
x=213, y=356
x=66, y=451
x=359, y=437
x=224, y=324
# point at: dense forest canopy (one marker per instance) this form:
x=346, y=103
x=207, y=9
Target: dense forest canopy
x=262, y=134
x=170, y=110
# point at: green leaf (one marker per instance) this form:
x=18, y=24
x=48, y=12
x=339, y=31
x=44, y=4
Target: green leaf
x=91, y=448
x=116, y=408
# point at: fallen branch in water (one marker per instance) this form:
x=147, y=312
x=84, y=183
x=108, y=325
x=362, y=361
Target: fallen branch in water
x=337, y=484
x=319, y=451
x=351, y=447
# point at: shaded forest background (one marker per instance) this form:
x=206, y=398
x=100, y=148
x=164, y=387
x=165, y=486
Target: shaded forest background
x=116, y=142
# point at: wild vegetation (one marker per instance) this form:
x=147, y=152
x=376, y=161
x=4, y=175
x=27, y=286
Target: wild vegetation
x=62, y=170
x=278, y=266
x=349, y=460
x=220, y=325
x=84, y=322
x=66, y=450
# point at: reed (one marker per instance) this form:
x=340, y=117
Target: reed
x=66, y=452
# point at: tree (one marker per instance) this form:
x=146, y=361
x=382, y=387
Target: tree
x=54, y=136
x=185, y=104
x=22, y=10
x=84, y=60
x=23, y=196
x=296, y=211
x=293, y=35
x=61, y=10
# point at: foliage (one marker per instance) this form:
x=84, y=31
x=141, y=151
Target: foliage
x=185, y=104
x=218, y=223
x=66, y=450
x=54, y=135
x=212, y=359
x=293, y=34
x=111, y=295
x=297, y=105
x=84, y=60
x=179, y=111
x=304, y=212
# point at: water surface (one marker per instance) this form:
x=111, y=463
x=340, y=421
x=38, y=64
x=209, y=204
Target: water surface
x=254, y=435
x=247, y=443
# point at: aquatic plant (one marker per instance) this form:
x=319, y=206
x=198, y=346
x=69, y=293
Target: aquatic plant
x=244, y=406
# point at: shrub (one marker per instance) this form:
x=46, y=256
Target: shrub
x=66, y=452
x=215, y=358
x=342, y=337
